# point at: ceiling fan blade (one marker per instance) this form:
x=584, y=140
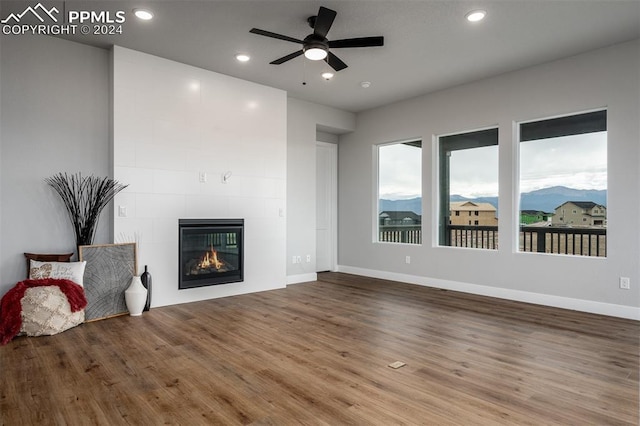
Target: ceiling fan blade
x=324, y=20
x=286, y=58
x=335, y=62
x=357, y=42
x=274, y=35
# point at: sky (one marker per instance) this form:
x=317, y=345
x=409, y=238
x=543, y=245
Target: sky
x=399, y=172
x=578, y=161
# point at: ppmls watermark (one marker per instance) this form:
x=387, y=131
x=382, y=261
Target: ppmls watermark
x=40, y=20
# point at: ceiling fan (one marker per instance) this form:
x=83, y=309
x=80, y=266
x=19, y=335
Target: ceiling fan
x=315, y=46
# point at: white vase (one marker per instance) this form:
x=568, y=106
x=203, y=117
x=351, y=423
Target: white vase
x=135, y=297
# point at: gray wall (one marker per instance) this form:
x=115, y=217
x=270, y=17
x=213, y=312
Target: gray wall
x=1, y=133
x=55, y=118
x=327, y=137
x=602, y=78
x=303, y=121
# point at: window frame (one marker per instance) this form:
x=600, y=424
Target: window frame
x=441, y=239
x=600, y=123
x=376, y=189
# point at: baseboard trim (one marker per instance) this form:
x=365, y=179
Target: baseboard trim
x=609, y=309
x=301, y=278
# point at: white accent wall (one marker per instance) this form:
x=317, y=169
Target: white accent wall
x=173, y=123
x=608, y=78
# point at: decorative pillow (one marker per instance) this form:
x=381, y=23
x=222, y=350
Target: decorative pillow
x=73, y=271
x=64, y=257
x=46, y=311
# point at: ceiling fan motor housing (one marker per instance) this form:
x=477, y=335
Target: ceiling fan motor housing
x=313, y=41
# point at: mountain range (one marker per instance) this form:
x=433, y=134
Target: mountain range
x=546, y=199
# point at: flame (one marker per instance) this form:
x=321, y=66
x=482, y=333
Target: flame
x=210, y=259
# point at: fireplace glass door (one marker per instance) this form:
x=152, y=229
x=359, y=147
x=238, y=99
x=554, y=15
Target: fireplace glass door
x=210, y=252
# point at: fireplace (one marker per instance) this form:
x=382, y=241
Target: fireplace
x=210, y=252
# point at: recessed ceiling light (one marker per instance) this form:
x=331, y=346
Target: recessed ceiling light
x=143, y=14
x=243, y=57
x=365, y=84
x=476, y=15
x=327, y=75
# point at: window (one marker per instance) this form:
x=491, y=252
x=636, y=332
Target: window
x=400, y=192
x=563, y=172
x=468, y=179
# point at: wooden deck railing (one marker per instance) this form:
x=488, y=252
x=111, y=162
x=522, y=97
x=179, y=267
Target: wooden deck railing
x=409, y=234
x=561, y=240
x=485, y=237
x=548, y=239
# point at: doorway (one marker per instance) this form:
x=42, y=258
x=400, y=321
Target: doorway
x=326, y=206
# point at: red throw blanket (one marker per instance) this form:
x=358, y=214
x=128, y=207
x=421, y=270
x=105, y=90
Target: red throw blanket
x=11, y=308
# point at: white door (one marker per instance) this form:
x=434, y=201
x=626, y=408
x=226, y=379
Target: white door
x=326, y=206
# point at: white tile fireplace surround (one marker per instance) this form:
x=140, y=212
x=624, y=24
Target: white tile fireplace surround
x=194, y=144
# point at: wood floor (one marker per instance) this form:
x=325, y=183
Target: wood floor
x=318, y=353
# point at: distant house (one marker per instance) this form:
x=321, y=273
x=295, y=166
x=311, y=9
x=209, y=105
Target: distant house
x=399, y=218
x=527, y=217
x=580, y=213
x=472, y=213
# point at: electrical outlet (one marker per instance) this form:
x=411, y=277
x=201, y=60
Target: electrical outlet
x=308, y=258
x=298, y=259
x=293, y=260
x=625, y=283
x=122, y=211
x=407, y=259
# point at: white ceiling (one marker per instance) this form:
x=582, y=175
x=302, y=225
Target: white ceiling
x=429, y=45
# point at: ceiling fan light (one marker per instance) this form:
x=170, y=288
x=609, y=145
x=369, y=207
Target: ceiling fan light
x=315, y=53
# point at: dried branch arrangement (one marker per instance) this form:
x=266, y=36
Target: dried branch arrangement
x=84, y=198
